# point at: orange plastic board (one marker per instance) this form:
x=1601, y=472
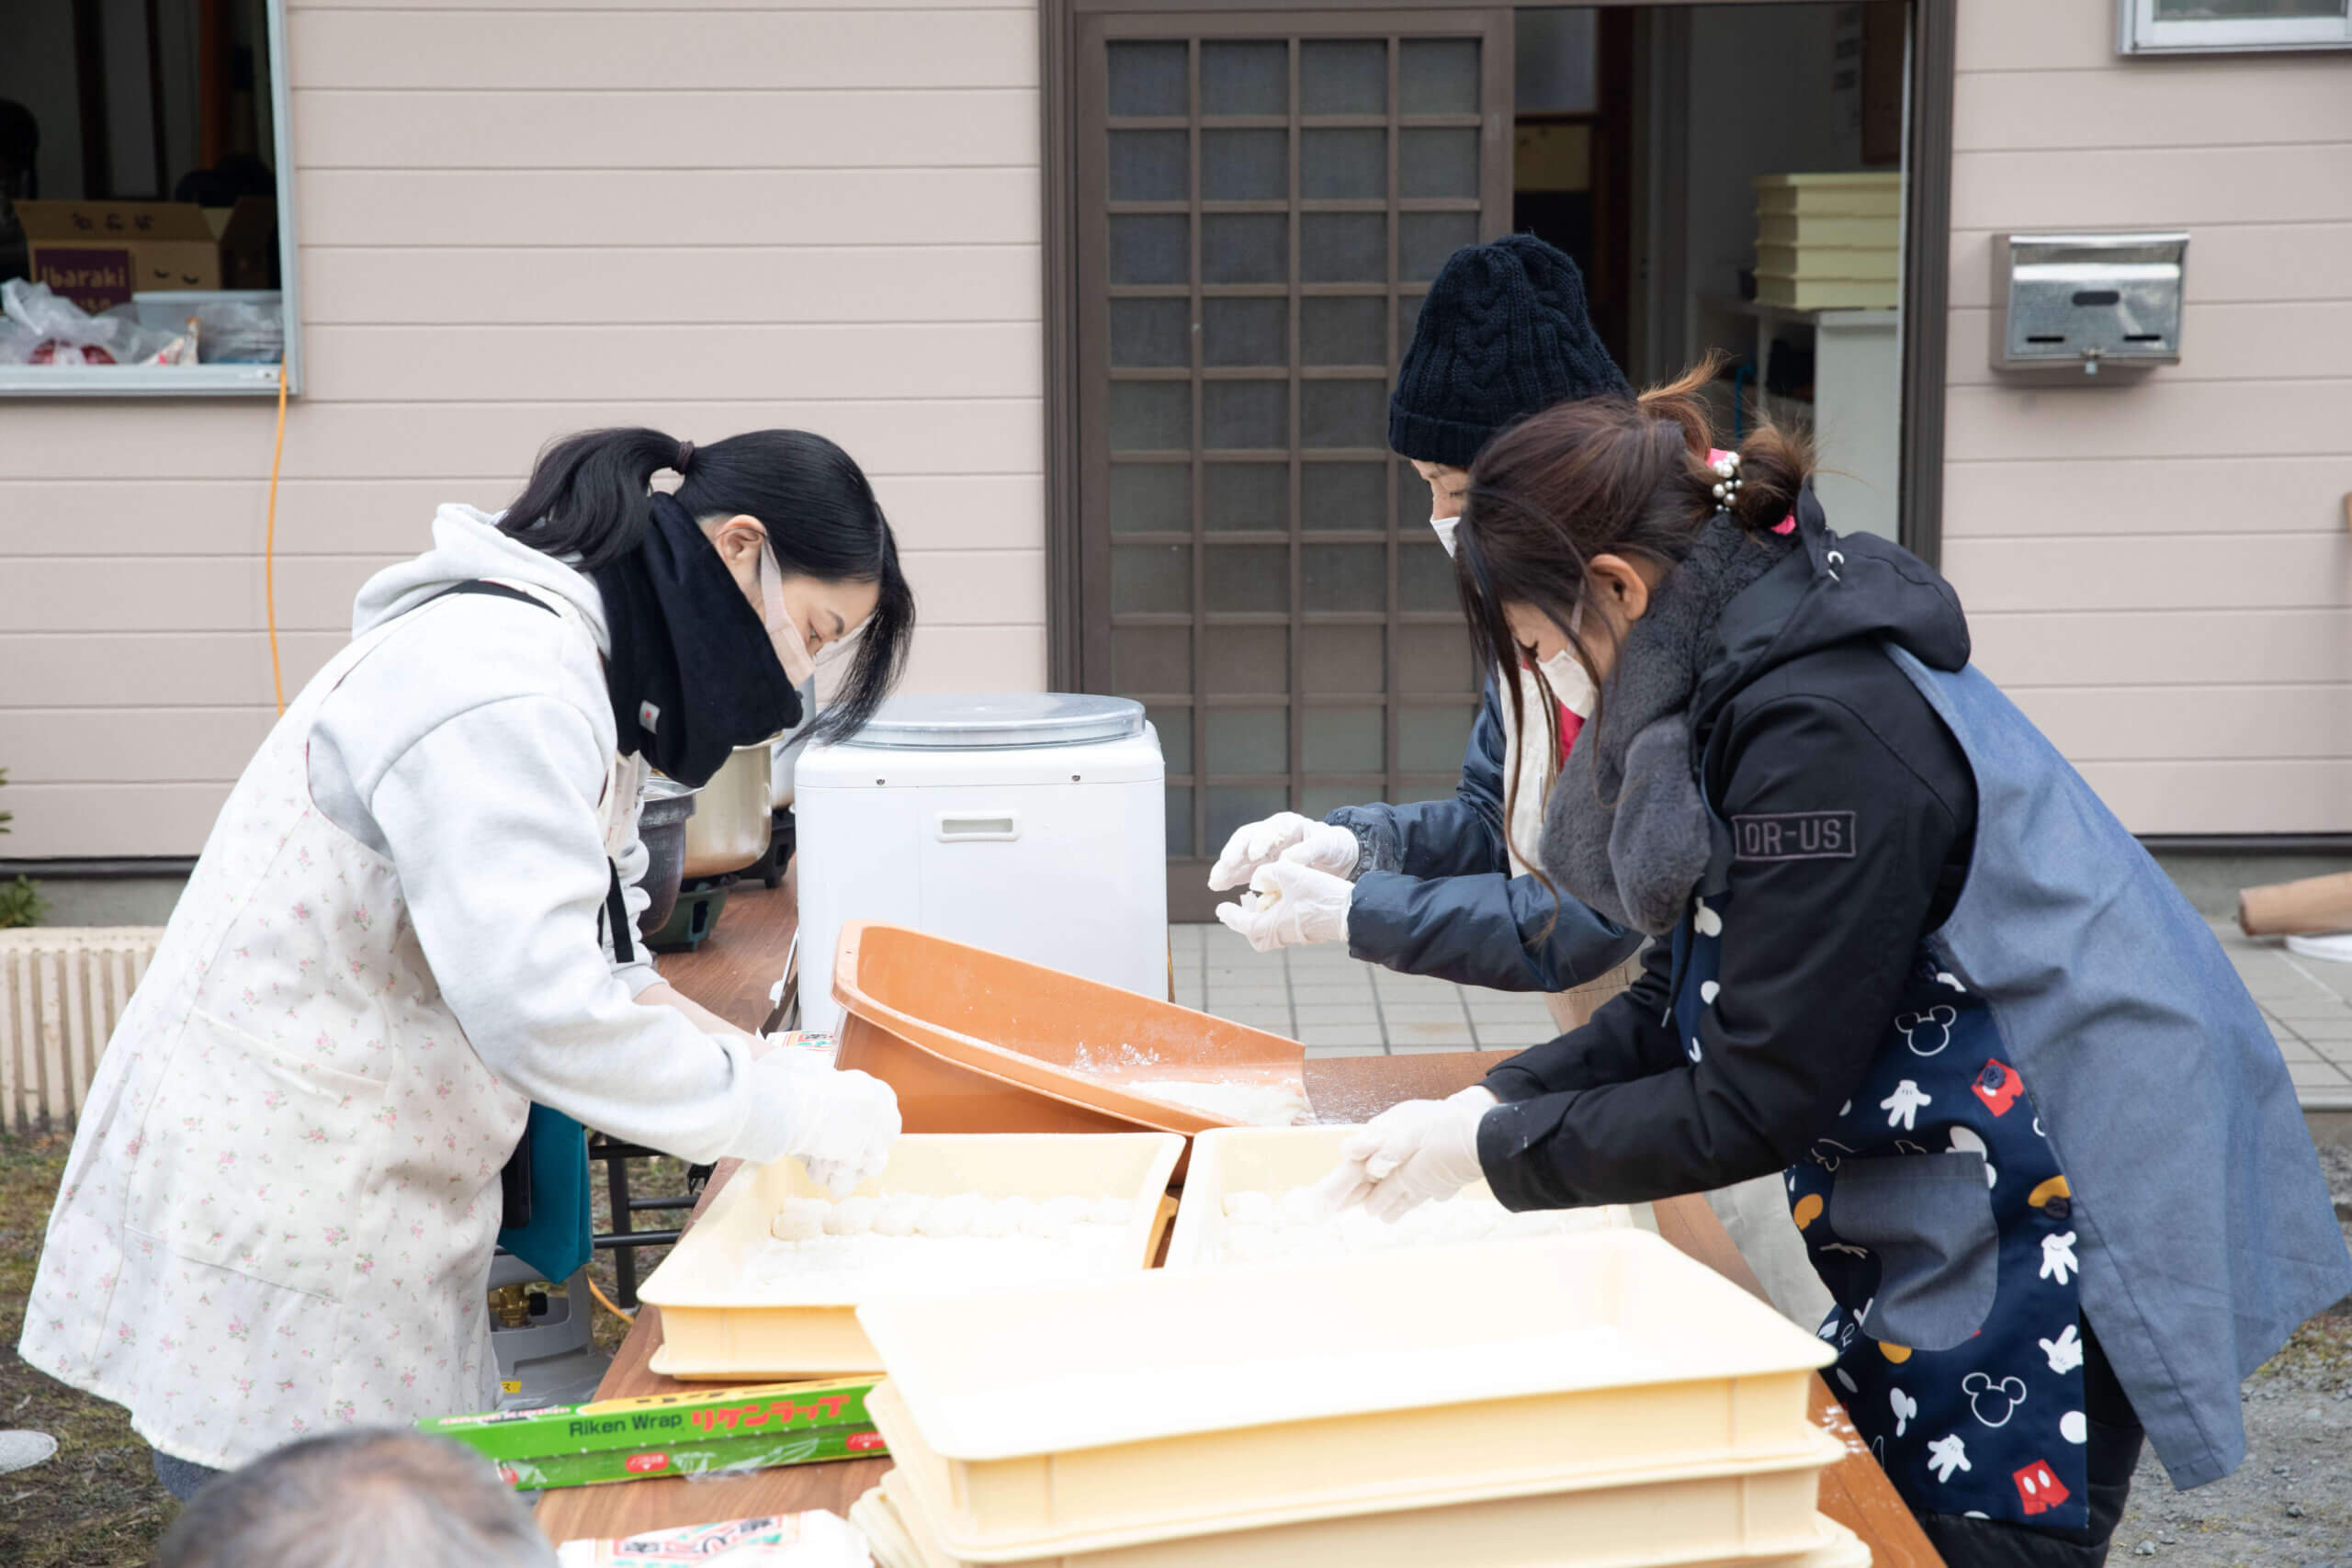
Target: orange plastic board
x=973, y=1041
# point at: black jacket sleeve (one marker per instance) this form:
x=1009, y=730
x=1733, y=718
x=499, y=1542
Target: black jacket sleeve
x=1814, y=954
x=1434, y=894
x=1505, y=933
x=1628, y=1038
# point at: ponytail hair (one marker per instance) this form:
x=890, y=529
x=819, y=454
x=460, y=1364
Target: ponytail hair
x=1604, y=475
x=589, y=495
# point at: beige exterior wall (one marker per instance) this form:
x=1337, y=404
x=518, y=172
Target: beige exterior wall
x=2160, y=574
x=793, y=216
x=827, y=217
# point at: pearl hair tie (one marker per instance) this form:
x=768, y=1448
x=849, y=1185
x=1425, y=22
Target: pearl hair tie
x=1727, y=481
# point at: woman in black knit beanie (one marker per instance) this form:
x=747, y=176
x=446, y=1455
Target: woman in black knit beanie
x=1443, y=887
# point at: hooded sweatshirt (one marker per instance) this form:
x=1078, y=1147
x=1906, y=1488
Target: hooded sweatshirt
x=471, y=748
x=1797, y=712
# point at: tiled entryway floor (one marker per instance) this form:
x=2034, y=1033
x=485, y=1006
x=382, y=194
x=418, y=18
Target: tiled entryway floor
x=2309, y=1004
x=1338, y=1006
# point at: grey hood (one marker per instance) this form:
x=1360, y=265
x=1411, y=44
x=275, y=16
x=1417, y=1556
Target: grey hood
x=467, y=545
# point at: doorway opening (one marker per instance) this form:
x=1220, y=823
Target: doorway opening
x=1258, y=200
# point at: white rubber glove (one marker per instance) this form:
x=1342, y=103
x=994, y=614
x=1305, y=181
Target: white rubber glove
x=1283, y=836
x=1420, y=1152
x=1288, y=904
x=843, y=1124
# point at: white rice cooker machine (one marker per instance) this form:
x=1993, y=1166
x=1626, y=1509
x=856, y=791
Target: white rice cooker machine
x=1032, y=824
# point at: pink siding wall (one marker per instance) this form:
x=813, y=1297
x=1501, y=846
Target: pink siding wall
x=828, y=216
x=516, y=222
x=2161, y=573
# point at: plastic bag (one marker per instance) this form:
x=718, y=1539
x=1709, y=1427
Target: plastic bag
x=235, y=332
x=52, y=330
x=813, y=1539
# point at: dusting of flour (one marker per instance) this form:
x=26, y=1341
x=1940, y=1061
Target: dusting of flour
x=1250, y=1105
x=909, y=1244
x=1263, y=1226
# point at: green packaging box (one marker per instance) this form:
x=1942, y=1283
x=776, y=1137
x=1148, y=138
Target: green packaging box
x=658, y=1421
x=814, y=1445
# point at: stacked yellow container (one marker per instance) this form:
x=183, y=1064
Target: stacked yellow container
x=1596, y=1400
x=1829, y=242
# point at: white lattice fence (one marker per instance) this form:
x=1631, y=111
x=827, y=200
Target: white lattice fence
x=62, y=991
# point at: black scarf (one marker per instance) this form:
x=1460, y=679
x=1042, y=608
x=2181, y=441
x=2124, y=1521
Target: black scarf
x=1626, y=829
x=692, y=673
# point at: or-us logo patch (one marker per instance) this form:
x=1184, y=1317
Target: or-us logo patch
x=1795, y=835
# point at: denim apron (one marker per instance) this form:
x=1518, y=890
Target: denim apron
x=1934, y=1211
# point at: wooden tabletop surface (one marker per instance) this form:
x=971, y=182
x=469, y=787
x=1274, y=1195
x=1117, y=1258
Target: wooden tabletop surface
x=730, y=975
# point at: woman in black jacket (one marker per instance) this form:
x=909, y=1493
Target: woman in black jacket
x=1908, y=959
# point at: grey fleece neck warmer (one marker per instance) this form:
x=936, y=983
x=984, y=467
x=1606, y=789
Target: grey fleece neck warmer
x=1625, y=830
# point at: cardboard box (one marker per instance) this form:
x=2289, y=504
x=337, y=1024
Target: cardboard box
x=1552, y=157
x=98, y=254
x=716, y=1416
x=650, y=1462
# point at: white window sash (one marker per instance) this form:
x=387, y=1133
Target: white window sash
x=203, y=380
x=2140, y=32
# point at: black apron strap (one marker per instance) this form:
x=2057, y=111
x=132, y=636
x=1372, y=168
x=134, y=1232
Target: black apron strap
x=616, y=917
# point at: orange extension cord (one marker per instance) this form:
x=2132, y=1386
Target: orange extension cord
x=269, y=548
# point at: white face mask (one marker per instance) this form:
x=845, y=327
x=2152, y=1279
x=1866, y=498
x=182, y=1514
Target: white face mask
x=1445, y=527
x=791, y=643
x=1571, y=682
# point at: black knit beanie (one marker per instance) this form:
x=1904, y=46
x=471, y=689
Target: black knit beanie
x=1502, y=335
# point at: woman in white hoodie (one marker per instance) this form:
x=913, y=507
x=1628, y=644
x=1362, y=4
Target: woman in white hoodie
x=280, y=1208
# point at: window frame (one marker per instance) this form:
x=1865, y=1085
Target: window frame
x=204, y=380
x=2139, y=31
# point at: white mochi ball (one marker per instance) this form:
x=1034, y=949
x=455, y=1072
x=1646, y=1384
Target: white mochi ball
x=799, y=1219
x=1110, y=1211
x=1067, y=1209
x=1042, y=1221
x=1303, y=1206
x=951, y=1217
x=852, y=1216
x=899, y=1215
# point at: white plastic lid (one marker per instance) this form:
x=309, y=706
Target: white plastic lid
x=1001, y=722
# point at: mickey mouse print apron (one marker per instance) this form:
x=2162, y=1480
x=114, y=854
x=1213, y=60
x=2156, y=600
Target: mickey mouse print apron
x=1935, y=1212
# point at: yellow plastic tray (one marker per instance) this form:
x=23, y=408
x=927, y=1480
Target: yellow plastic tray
x=717, y=1323
x=1274, y=1160
x=1035, y=1423
x=1589, y=1529
x=885, y=1536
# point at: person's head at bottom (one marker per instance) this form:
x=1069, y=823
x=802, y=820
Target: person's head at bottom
x=375, y=1497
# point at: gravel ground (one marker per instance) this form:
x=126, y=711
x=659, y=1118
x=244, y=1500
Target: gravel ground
x=2290, y=1505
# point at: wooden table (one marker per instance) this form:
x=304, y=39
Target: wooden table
x=730, y=980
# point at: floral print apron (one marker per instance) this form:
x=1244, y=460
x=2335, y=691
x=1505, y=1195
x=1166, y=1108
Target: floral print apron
x=278, y=1214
